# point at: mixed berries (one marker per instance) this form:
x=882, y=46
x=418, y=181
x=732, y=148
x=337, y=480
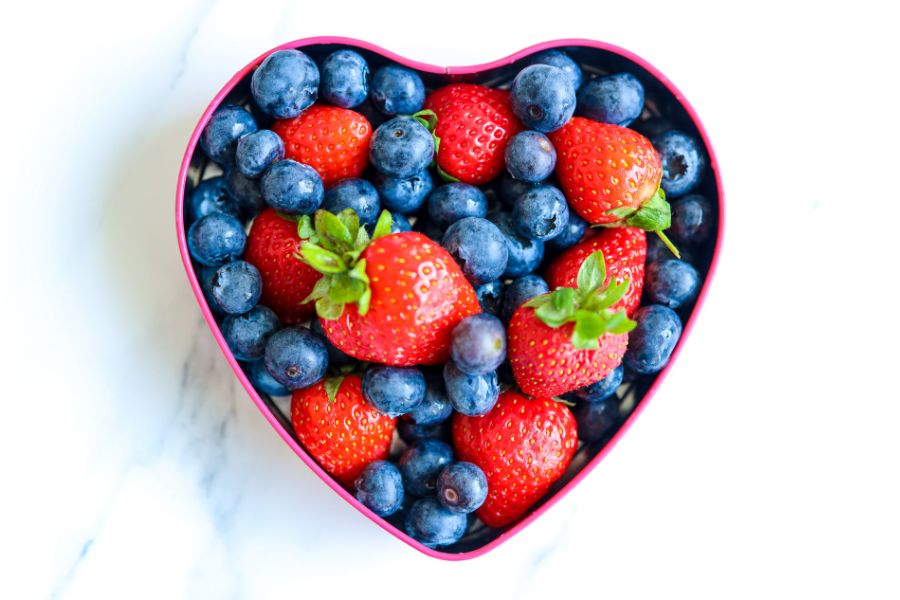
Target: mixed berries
x=458, y=285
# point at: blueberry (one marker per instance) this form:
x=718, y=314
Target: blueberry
x=292, y=188
x=410, y=431
x=393, y=391
x=237, y=287
x=524, y=254
x=543, y=97
x=511, y=189
x=247, y=334
x=471, y=395
x=227, y=125
x=651, y=343
x=211, y=196
x=345, y=79
x=520, y=291
x=479, y=248
x=478, y=344
x=401, y=147
x=246, y=191
x=490, y=296
x=603, y=389
x=404, y=196
x=530, y=156
x=335, y=356
x=435, y=407
x=397, y=90
x=671, y=282
x=454, y=201
x=399, y=223
x=617, y=99
x=560, y=60
x=682, y=162
x=358, y=194
x=692, y=219
x=597, y=421
x=215, y=239
x=433, y=525
x=263, y=381
x=421, y=464
x=255, y=152
x=205, y=277
x=380, y=488
x=462, y=487
x=296, y=357
x=285, y=84
x=652, y=127
x=541, y=213
x=571, y=234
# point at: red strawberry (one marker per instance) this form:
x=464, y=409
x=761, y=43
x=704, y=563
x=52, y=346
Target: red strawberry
x=272, y=246
x=338, y=429
x=474, y=124
x=393, y=300
x=523, y=446
x=561, y=341
x=334, y=141
x=625, y=251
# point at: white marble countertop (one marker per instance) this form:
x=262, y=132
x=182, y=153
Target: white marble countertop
x=134, y=466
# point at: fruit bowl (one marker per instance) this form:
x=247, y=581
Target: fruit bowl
x=663, y=102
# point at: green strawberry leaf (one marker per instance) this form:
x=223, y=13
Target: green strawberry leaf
x=383, y=225
x=332, y=232
x=320, y=259
x=589, y=326
x=344, y=289
x=362, y=240
x=328, y=309
x=332, y=386
x=362, y=305
x=609, y=296
x=305, y=229
x=320, y=290
x=559, y=310
x=358, y=272
x=428, y=118
x=538, y=301
x=350, y=220
x=619, y=323
x=592, y=272
x=623, y=212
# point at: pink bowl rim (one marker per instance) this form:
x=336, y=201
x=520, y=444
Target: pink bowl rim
x=261, y=405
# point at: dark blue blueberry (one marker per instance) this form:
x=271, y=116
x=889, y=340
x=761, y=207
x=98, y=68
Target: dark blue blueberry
x=478, y=344
x=211, y=196
x=454, y=201
x=421, y=464
x=410, y=431
x=292, y=188
x=345, y=79
x=462, y=487
x=511, y=189
x=380, y=488
x=205, y=277
x=227, y=125
x=541, y=213
x=285, y=84
x=520, y=291
x=335, y=357
x=692, y=219
x=401, y=147
x=603, y=389
x=255, y=152
x=471, y=395
x=399, y=223
x=530, y=156
x=650, y=344
x=671, y=282
x=524, y=254
x=434, y=525
x=560, y=60
x=617, y=99
x=393, y=391
x=404, y=196
x=682, y=162
x=478, y=247
x=543, y=97
x=246, y=191
x=597, y=421
x=571, y=233
x=247, y=334
x=263, y=381
x=657, y=250
x=490, y=296
x=215, y=239
x=237, y=287
x=358, y=194
x=435, y=407
x=296, y=357
x=397, y=90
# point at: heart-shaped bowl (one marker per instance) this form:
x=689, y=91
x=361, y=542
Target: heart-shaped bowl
x=662, y=99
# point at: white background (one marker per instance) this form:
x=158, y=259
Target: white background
x=132, y=465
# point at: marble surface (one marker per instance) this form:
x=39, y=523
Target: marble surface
x=133, y=465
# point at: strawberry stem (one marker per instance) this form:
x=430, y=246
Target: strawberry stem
x=665, y=240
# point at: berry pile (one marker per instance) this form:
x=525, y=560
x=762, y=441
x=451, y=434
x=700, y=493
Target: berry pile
x=466, y=266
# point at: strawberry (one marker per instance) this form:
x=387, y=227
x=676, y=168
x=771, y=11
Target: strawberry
x=625, y=250
x=523, y=446
x=474, y=124
x=338, y=429
x=334, y=141
x=611, y=176
x=272, y=245
x=393, y=300
x=571, y=337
